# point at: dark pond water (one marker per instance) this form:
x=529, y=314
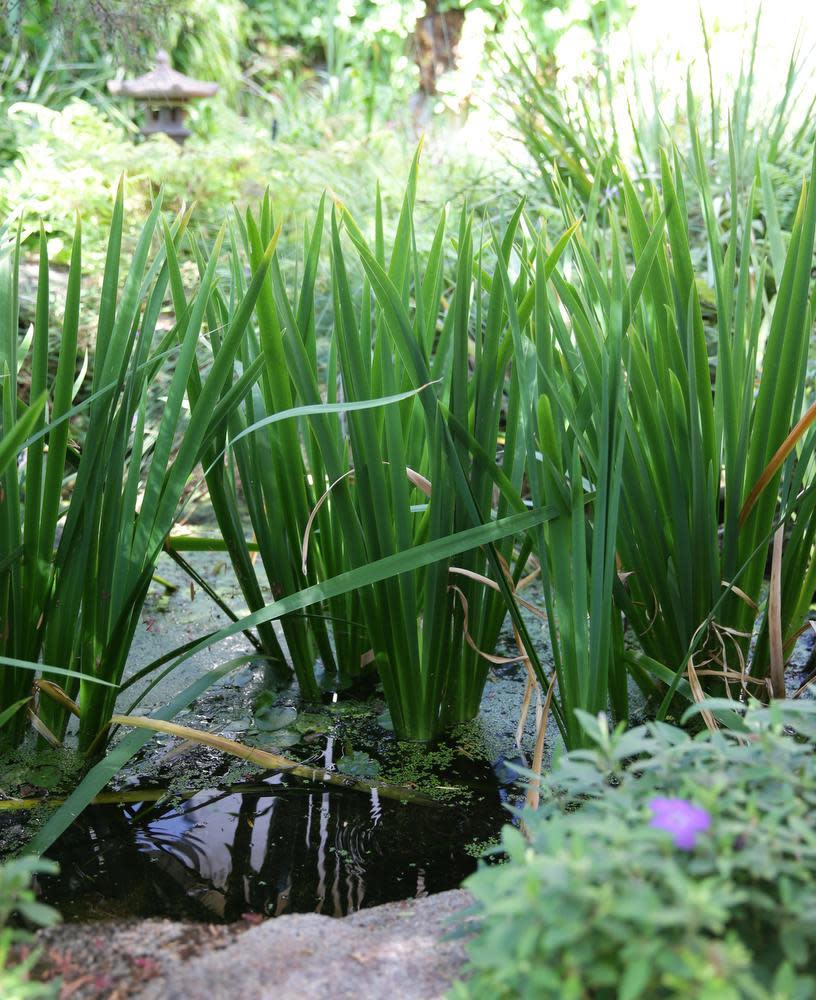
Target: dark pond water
x=274, y=847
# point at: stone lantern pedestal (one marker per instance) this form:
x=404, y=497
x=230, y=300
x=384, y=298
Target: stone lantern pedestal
x=165, y=94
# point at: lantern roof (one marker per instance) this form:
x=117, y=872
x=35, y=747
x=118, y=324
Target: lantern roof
x=163, y=83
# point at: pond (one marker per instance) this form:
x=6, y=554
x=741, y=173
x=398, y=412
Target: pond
x=198, y=835
x=266, y=848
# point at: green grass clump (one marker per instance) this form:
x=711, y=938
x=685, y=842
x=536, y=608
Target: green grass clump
x=333, y=496
x=279, y=471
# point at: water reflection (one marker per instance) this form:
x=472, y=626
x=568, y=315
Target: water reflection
x=268, y=849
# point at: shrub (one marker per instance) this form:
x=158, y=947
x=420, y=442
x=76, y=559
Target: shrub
x=599, y=899
x=70, y=160
x=18, y=898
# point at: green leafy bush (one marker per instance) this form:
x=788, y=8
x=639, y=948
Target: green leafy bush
x=18, y=897
x=71, y=160
x=597, y=899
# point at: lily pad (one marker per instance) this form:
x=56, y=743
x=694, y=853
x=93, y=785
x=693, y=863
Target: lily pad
x=358, y=764
x=271, y=718
x=313, y=722
x=283, y=738
x=273, y=742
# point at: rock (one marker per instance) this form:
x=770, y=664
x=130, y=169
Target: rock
x=114, y=959
x=401, y=950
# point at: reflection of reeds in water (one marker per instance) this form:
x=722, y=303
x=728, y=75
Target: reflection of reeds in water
x=273, y=849
x=235, y=854
x=274, y=845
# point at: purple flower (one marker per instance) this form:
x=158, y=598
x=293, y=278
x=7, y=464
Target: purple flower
x=682, y=819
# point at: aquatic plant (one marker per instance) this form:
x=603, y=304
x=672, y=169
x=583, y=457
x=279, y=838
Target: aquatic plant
x=277, y=469
x=572, y=426
x=333, y=495
x=83, y=527
x=403, y=480
x=715, y=461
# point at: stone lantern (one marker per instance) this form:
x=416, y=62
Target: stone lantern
x=165, y=94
